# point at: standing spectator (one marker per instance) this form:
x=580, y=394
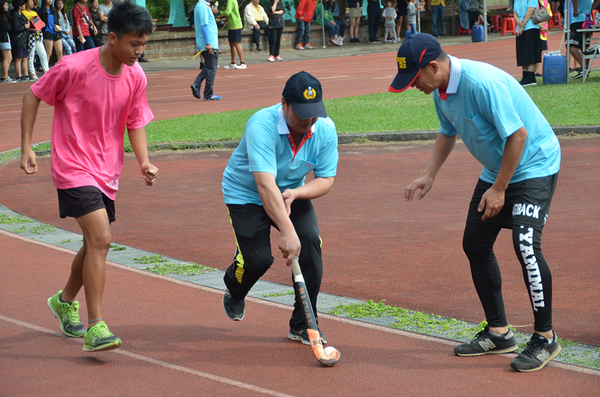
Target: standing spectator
x=103, y=11
x=65, y=26
x=401, y=11
x=304, y=14
x=355, y=7
x=411, y=16
x=52, y=41
x=438, y=10
x=19, y=38
x=580, y=9
x=504, y=130
x=96, y=95
x=528, y=44
x=95, y=19
x=207, y=42
x=544, y=31
x=374, y=19
x=256, y=18
x=234, y=33
x=264, y=186
x=83, y=27
x=5, y=46
x=276, y=25
x=36, y=43
x=389, y=13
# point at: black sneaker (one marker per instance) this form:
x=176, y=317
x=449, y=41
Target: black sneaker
x=234, y=309
x=302, y=336
x=195, y=92
x=577, y=76
x=486, y=343
x=537, y=354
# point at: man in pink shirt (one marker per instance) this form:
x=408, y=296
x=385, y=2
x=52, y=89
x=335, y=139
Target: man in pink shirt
x=96, y=94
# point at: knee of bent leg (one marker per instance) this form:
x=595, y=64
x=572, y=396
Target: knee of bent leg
x=100, y=240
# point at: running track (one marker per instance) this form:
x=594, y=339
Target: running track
x=177, y=341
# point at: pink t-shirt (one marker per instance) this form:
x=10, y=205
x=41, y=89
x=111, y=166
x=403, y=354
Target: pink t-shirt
x=91, y=110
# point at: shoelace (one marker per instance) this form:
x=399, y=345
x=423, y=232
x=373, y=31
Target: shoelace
x=101, y=331
x=533, y=348
x=72, y=312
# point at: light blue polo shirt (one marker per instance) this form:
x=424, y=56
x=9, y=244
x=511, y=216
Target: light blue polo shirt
x=486, y=105
x=520, y=6
x=205, y=25
x=584, y=7
x=265, y=147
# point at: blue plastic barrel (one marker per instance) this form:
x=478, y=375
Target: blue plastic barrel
x=477, y=33
x=554, y=70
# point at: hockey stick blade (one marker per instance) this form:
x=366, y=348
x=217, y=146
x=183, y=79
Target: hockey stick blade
x=313, y=330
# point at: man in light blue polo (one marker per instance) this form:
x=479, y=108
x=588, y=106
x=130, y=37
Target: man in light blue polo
x=264, y=186
x=505, y=131
x=207, y=41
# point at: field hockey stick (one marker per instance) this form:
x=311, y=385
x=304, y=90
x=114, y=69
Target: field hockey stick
x=330, y=355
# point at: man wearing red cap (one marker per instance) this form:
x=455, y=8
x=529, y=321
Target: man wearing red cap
x=505, y=131
x=263, y=187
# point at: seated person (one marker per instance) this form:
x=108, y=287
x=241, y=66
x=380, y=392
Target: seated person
x=256, y=18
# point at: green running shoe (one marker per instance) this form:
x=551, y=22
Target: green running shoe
x=67, y=315
x=99, y=338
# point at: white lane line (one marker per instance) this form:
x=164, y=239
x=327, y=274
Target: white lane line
x=356, y=323
x=159, y=363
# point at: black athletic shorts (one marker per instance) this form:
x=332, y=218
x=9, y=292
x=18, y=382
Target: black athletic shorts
x=234, y=36
x=526, y=202
x=80, y=201
x=576, y=39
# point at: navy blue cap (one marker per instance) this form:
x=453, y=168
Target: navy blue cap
x=304, y=93
x=415, y=53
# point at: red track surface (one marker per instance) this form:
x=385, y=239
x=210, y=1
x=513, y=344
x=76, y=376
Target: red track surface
x=177, y=340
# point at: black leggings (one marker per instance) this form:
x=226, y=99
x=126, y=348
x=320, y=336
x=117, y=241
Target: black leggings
x=525, y=210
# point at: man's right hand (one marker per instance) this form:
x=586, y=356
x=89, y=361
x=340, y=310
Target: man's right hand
x=209, y=48
x=289, y=245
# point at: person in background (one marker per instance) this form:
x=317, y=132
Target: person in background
x=256, y=18
x=304, y=14
x=65, y=26
x=580, y=9
x=207, y=42
x=438, y=10
x=389, y=13
x=234, y=33
x=36, y=43
x=544, y=30
x=334, y=10
x=401, y=11
x=19, y=36
x=95, y=19
x=529, y=50
x=103, y=11
x=374, y=19
x=329, y=22
x=83, y=26
x=275, y=10
x=5, y=46
x=411, y=16
x=52, y=41
x=355, y=7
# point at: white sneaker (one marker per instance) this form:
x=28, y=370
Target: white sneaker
x=241, y=66
x=7, y=80
x=271, y=58
x=230, y=66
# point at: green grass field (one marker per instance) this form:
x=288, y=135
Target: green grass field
x=565, y=104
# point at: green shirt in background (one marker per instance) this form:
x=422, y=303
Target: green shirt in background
x=232, y=12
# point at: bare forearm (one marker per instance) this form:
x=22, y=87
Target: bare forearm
x=272, y=202
x=31, y=104
x=139, y=144
x=442, y=149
